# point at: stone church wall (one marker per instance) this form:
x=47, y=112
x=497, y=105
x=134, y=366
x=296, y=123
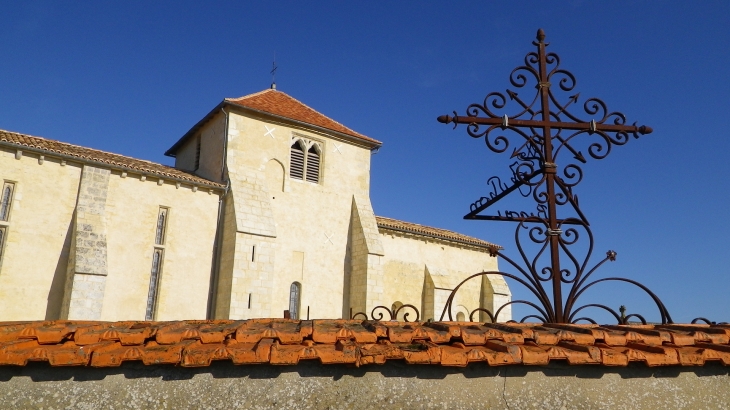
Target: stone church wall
x=57, y=221
x=81, y=242
x=309, y=235
x=133, y=207
x=323, y=236
x=35, y=256
x=422, y=271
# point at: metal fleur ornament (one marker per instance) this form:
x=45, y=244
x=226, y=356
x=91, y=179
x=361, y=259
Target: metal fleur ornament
x=542, y=129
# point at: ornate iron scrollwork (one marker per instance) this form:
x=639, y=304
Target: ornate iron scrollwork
x=378, y=313
x=543, y=128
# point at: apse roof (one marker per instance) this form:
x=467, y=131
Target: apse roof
x=357, y=342
x=416, y=229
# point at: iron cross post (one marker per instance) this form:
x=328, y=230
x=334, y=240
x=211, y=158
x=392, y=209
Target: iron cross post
x=541, y=124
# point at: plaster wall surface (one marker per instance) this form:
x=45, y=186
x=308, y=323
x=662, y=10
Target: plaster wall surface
x=211, y=136
x=132, y=211
x=422, y=271
x=124, y=208
x=39, y=233
x=310, y=385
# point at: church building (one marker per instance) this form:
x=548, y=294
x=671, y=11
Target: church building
x=266, y=210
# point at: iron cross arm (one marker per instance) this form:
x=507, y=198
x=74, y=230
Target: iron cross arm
x=508, y=122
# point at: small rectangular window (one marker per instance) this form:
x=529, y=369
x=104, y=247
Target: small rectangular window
x=161, y=226
x=6, y=201
x=152, y=294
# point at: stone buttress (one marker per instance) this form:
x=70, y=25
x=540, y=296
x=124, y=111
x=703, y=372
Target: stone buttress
x=245, y=282
x=366, y=258
x=87, y=264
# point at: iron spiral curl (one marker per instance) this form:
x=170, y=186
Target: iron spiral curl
x=379, y=312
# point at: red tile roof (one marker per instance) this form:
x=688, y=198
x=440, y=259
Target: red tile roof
x=357, y=342
x=278, y=103
x=416, y=229
x=83, y=154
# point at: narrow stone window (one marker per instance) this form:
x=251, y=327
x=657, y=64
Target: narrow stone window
x=158, y=252
x=3, y=233
x=253, y=254
x=296, y=167
x=295, y=291
x=7, y=200
x=161, y=226
x=197, y=154
x=152, y=294
x=313, y=164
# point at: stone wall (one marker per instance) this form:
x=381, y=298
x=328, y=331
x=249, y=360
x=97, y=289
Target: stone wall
x=310, y=385
x=80, y=242
x=38, y=241
x=422, y=271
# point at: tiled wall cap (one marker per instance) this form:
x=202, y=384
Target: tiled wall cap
x=196, y=343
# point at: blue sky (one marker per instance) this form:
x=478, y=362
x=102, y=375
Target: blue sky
x=132, y=77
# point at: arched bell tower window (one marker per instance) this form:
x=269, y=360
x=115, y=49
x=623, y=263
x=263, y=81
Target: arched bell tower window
x=295, y=295
x=296, y=168
x=313, y=164
x=306, y=159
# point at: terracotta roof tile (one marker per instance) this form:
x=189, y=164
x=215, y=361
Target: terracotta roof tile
x=22, y=141
x=287, y=342
x=280, y=104
x=416, y=229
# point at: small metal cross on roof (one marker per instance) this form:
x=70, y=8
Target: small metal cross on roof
x=543, y=127
x=274, y=67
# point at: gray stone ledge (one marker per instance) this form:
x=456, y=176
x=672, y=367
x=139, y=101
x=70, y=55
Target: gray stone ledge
x=394, y=385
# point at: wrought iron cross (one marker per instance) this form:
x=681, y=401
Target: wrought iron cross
x=544, y=128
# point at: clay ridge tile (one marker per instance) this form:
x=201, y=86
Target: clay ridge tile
x=89, y=154
x=198, y=343
x=416, y=229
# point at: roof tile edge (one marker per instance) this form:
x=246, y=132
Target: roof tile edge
x=431, y=232
x=114, y=161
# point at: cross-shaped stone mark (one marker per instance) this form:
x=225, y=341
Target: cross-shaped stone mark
x=270, y=132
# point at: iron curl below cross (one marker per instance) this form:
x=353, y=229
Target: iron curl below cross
x=542, y=128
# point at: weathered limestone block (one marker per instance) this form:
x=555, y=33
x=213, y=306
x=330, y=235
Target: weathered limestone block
x=252, y=203
x=366, y=277
x=87, y=266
